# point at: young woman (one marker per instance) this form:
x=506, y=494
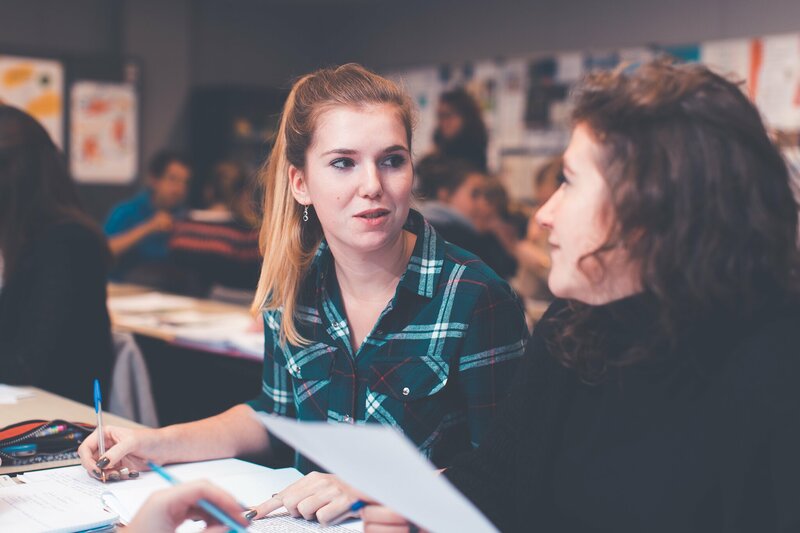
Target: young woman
x=460, y=129
x=369, y=315
x=54, y=327
x=661, y=393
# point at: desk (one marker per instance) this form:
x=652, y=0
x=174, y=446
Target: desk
x=44, y=405
x=196, y=370
x=188, y=322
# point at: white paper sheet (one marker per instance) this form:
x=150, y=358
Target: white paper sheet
x=48, y=507
x=11, y=395
x=381, y=462
x=148, y=303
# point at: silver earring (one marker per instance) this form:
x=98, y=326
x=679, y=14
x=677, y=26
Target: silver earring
x=305, y=214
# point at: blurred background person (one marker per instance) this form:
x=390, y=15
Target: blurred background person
x=460, y=130
x=453, y=198
x=533, y=252
x=54, y=327
x=139, y=229
x=218, y=246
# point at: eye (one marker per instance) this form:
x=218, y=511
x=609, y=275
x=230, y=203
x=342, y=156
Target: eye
x=343, y=163
x=394, y=161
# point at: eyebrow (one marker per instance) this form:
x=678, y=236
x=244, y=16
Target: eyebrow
x=348, y=151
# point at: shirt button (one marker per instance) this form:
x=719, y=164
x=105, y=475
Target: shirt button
x=406, y=391
x=296, y=368
x=347, y=419
x=378, y=332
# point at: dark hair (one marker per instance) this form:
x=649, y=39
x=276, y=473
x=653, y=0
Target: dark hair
x=436, y=172
x=470, y=143
x=35, y=188
x=159, y=162
x=701, y=197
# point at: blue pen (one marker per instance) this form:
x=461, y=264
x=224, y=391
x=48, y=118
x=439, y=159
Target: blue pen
x=351, y=511
x=206, y=505
x=98, y=409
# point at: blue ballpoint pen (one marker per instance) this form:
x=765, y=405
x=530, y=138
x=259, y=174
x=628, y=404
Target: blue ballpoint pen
x=206, y=505
x=347, y=513
x=98, y=409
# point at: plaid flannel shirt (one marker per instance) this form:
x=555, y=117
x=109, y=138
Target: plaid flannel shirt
x=437, y=362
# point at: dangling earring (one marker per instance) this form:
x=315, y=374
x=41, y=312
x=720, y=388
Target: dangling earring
x=305, y=214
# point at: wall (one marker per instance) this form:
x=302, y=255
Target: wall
x=400, y=34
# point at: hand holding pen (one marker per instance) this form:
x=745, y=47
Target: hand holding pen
x=114, y=453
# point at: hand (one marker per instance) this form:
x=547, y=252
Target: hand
x=161, y=222
x=316, y=496
x=380, y=519
x=166, y=509
x=127, y=453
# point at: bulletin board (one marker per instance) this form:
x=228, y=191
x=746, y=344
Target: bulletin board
x=526, y=101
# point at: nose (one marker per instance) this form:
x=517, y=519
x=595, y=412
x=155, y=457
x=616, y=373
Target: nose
x=545, y=214
x=370, y=185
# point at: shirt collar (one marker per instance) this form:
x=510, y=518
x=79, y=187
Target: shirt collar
x=424, y=266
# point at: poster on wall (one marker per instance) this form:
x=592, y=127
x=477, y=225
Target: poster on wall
x=103, y=132
x=37, y=87
x=777, y=81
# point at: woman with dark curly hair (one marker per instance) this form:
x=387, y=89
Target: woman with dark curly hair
x=660, y=393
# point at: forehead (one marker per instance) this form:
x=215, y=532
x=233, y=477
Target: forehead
x=353, y=127
x=584, y=151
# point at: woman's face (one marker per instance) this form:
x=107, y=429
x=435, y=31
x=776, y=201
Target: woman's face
x=579, y=217
x=357, y=177
x=449, y=122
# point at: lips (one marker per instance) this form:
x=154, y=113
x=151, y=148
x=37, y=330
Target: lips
x=372, y=214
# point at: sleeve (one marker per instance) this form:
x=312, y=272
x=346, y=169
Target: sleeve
x=277, y=388
x=68, y=274
x=489, y=475
x=120, y=220
x=494, y=343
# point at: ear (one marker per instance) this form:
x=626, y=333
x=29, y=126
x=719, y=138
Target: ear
x=297, y=181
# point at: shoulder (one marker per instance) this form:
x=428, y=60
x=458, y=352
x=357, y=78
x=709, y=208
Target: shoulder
x=126, y=212
x=769, y=351
x=73, y=235
x=470, y=268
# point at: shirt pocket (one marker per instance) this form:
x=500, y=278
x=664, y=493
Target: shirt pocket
x=307, y=362
x=411, y=395
x=408, y=380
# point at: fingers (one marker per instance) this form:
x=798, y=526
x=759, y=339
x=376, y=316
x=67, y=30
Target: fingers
x=335, y=508
x=378, y=514
x=190, y=493
x=267, y=507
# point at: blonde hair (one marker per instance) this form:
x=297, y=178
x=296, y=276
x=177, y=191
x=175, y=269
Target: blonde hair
x=287, y=243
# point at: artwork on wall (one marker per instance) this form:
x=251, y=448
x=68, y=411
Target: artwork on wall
x=103, y=132
x=37, y=87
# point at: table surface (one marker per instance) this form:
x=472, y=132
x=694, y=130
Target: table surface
x=121, y=321
x=45, y=405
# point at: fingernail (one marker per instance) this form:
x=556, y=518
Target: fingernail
x=103, y=462
x=249, y=515
x=113, y=476
x=96, y=473
x=133, y=474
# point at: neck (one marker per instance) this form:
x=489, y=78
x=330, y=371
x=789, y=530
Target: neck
x=371, y=276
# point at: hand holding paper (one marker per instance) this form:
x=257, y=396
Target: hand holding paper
x=379, y=461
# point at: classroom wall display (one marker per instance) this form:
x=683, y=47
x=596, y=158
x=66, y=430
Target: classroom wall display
x=37, y=87
x=527, y=107
x=104, y=144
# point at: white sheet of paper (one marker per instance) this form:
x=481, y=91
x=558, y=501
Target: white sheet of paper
x=381, y=462
x=47, y=507
x=148, y=302
x=11, y=395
